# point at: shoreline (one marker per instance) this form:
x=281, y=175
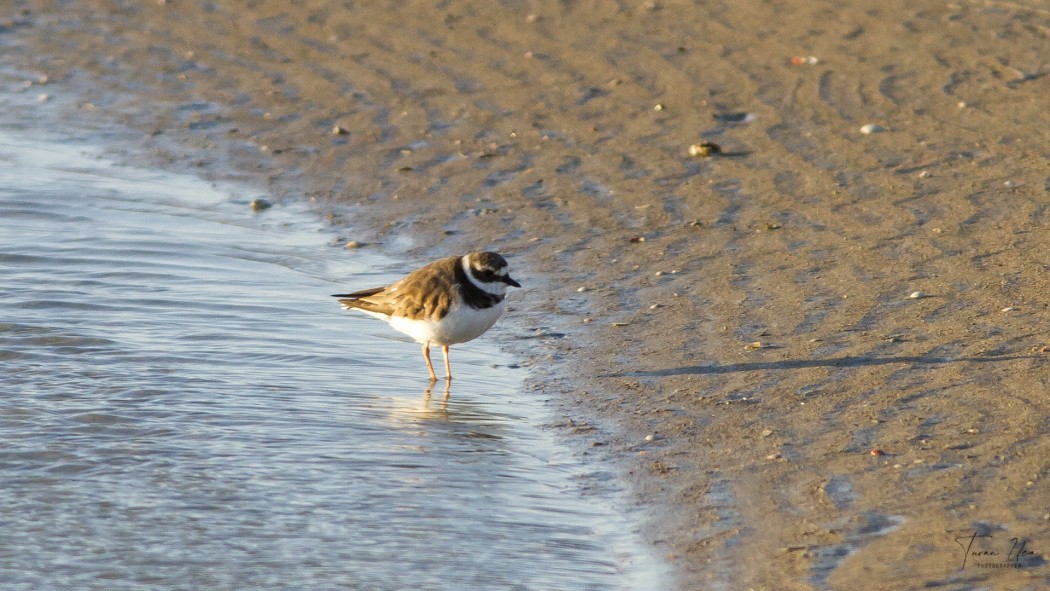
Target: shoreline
x=752, y=311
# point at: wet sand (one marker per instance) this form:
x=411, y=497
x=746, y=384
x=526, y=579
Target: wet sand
x=813, y=425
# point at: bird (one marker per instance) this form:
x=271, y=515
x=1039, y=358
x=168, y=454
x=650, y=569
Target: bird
x=450, y=301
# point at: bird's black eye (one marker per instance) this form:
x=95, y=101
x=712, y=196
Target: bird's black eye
x=488, y=272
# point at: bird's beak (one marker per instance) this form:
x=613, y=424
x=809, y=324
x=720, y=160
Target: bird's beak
x=510, y=281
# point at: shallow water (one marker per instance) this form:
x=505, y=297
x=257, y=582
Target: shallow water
x=184, y=406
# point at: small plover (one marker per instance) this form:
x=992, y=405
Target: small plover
x=449, y=301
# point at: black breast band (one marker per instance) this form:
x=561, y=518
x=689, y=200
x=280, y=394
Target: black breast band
x=472, y=295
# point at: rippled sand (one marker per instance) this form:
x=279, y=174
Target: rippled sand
x=814, y=426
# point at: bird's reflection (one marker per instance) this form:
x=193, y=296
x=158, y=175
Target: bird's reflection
x=428, y=394
x=433, y=407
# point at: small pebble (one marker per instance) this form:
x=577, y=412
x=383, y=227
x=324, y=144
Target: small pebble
x=658, y=107
x=808, y=60
x=871, y=128
x=775, y=456
x=339, y=130
x=43, y=97
x=767, y=432
x=649, y=437
x=916, y=295
x=1009, y=309
x=260, y=204
x=704, y=149
x=924, y=174
x=636, y=239
x=353, y=244
x=583, y=289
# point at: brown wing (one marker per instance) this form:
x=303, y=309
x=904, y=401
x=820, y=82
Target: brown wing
x=422, y=294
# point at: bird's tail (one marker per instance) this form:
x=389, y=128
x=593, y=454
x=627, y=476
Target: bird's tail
x=364, y=293
x=357, y=299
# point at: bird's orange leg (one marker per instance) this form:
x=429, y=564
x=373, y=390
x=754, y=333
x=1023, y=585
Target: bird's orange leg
x=430, y=366
x=448, y=368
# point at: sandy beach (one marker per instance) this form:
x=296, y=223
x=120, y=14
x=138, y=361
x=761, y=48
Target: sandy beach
x=817, y=355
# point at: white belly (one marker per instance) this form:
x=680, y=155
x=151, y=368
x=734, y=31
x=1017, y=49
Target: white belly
x=461, y=324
